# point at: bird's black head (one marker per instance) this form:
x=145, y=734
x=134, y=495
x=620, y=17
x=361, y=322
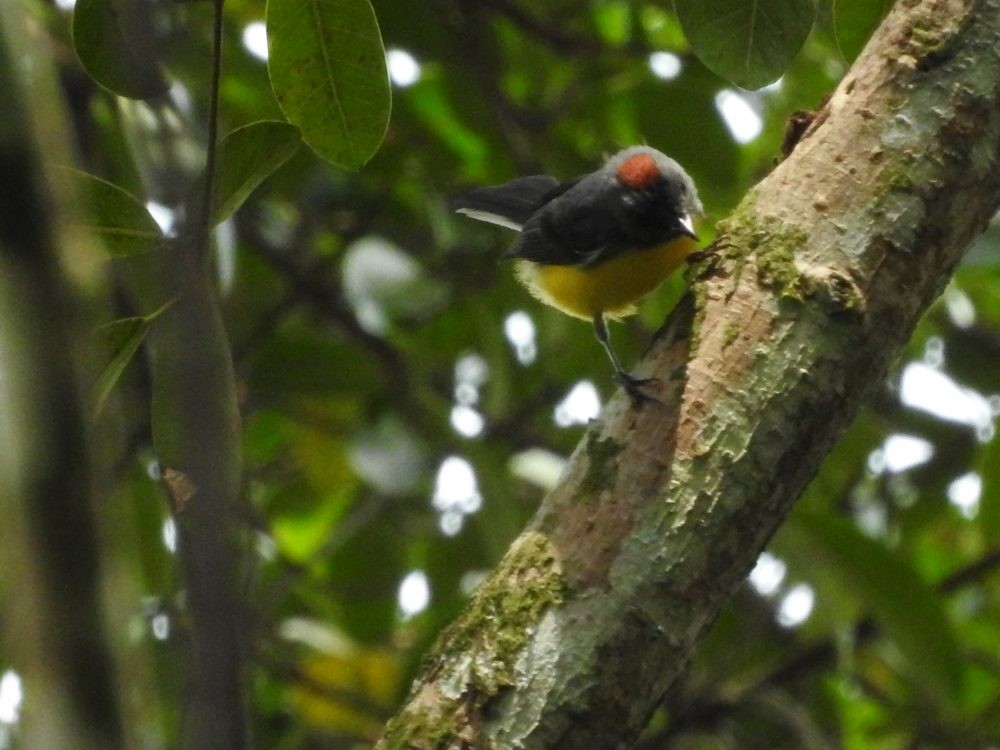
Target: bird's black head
x=657, y=198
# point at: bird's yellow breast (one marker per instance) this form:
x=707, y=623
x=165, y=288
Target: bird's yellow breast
x=610, y=288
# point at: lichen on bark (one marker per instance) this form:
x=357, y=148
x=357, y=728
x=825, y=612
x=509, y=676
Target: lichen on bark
x=489, y=635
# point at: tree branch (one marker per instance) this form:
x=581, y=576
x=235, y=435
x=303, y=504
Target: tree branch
x=195, y=423
x=817, y=282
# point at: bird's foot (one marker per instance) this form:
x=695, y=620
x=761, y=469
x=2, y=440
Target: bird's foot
x=633, y=387
x=698, y=256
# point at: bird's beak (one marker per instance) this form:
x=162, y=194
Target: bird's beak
x=688, y=227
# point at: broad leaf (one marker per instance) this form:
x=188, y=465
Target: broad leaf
x=114, y=43
x=902, y=602
x=750, y=42
x=328, y=71
x=117, y=217
x=123, y=338
x=247, y=157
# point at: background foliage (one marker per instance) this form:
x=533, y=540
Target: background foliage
x=405, y=405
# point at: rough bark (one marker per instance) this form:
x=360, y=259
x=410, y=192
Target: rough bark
x=816, y=283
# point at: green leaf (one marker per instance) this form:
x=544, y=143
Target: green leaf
x=429, y=103
x=909, y=610
x=117, y=217
x=113, y=41
x=614, y=22
x=988, y=466
x=247, y=157
x=301, y=534
x=854, y=21
x=328, y=72
x=123, y=338
x=750, y=42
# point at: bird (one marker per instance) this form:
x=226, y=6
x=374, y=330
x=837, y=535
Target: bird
x=593, y=246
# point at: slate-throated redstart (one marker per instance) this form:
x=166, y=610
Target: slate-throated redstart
x=593, y=246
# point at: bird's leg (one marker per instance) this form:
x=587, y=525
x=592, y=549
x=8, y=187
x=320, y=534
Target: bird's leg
x=631, y=384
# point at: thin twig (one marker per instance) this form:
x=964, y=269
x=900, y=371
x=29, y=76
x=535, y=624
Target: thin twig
x=204, y=226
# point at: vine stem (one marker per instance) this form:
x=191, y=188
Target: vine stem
x=204, y=226
x=196, y=432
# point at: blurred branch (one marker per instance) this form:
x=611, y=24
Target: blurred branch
x=308, y=285
x=480, y=56
x=705, y=712
x=980, y=337
x=357, y=519
x=973, y=573
x=283, y=259
x=51, y=612
x=559, y=40
x=598, y=606
x=824, y=654
x=514, y=428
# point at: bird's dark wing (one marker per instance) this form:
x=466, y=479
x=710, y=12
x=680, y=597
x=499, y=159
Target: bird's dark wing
x=511, y=204
x=574, y=228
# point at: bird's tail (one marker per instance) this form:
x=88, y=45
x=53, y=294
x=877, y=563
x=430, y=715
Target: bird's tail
x=509, y=205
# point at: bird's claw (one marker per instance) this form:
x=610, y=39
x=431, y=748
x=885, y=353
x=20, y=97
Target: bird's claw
x=697, y=256
x=633, y=387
